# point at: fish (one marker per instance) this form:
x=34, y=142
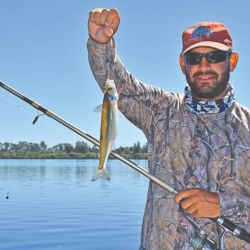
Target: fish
x=109, y=127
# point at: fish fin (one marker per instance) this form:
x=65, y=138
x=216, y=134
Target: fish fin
x=101, y=174
x=98, y=108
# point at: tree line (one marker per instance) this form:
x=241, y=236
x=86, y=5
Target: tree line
x=81, y=150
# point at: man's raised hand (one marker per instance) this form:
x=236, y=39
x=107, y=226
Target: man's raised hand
x=103, y=24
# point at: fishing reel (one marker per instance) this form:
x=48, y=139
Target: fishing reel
x=201, y=242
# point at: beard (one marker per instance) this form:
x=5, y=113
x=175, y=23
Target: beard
x=211, y=91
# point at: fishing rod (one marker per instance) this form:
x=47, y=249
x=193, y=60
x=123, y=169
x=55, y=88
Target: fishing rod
x=85, y=135
x=201, y=240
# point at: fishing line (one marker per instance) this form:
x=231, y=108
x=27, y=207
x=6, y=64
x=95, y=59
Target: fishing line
x=109, y=69
x=58, y=130
x=14, y=104
x=25, y=157
x=36, y=130
x=29, y=114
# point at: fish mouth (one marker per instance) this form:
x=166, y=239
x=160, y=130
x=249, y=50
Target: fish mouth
x=108, y=89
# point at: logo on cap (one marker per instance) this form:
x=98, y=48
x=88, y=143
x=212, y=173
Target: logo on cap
x=200, y=31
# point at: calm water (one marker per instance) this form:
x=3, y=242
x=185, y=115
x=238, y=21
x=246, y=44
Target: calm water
x=53, y=205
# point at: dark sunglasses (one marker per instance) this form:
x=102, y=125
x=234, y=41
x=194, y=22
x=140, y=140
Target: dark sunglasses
x=215, y=56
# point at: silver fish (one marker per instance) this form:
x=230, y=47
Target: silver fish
x=109, y=125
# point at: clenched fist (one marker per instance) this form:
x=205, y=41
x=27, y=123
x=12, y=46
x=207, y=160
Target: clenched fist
x=103, y=24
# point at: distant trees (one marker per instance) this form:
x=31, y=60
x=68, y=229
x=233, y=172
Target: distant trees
x=4, y=146
x=80, y=150
x=43, y=146
x=135, y=151
x=81, y=147
x=63, y=147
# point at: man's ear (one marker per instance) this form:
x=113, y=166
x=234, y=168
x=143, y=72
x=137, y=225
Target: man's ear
x=233, y=61
x=182, y=64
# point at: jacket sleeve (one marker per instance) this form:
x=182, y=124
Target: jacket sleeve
x=236, y=206
x=138, y=101
x=229, y=200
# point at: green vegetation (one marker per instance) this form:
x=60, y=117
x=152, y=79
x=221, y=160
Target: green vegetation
x=80, y=150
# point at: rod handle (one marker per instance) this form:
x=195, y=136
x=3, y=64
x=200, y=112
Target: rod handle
x=229, y=226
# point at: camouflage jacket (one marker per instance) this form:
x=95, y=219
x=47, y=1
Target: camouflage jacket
x=186, y=150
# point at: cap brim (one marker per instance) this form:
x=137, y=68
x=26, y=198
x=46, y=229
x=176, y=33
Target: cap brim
x=210, y=44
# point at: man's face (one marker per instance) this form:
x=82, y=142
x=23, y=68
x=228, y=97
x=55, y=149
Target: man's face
x=208, y=80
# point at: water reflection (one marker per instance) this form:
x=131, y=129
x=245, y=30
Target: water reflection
x=79, y=170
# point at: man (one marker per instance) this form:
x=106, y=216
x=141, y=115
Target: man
x=199, y=142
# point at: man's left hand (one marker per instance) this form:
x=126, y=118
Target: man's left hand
x=199, y=202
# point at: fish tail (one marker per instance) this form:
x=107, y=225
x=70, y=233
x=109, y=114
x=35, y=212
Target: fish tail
x=101, y=174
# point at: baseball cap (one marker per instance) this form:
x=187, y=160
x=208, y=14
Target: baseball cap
x=208, y=34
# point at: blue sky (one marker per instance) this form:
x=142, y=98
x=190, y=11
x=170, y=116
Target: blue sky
x=43, y=55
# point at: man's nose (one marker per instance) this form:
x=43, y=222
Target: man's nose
x=204, y=63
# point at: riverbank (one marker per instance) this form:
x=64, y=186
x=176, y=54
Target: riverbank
x=62, y=155
x=81, y=150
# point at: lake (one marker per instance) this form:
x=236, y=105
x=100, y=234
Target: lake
x=54, y=205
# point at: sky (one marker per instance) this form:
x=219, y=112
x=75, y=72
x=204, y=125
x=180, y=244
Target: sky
x=43, y=55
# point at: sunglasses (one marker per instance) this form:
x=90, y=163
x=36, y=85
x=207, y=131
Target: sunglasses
x=215, y=56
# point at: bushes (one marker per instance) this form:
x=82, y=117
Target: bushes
x=81, y=150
